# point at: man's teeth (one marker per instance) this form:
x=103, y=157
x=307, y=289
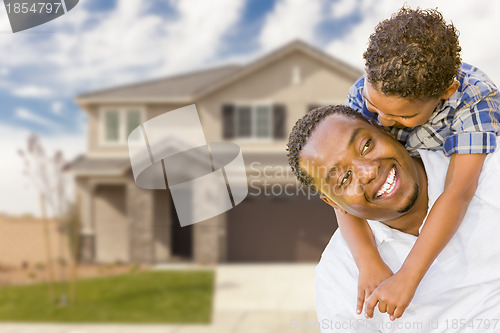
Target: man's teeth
x=389, y=183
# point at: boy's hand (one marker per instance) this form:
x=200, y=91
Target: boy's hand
x=393, y=296
x=370, y=277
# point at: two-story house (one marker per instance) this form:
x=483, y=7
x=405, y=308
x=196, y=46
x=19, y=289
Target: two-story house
x=254, y=106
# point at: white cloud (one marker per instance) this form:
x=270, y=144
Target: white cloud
x=477, y=22
x=195, y=37
x=57, y=107
x=90, y=50
x=289, y=20
x=18, y=195
x=30, y=116
x=31, y=92
x=342, y=8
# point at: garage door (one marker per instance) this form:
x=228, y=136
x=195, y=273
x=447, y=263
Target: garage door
x=285, y=229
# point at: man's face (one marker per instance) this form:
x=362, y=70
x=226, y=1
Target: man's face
x=360, y=168
x=397, y=111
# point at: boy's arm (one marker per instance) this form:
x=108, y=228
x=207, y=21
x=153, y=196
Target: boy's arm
x=462, y=177
x=372, y=269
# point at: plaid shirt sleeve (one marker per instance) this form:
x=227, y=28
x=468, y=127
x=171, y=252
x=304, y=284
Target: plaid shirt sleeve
x=475, y=125
x=356, y=100
x=355, y=95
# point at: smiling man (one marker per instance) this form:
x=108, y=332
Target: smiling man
x=389, y=186
x=362, y=170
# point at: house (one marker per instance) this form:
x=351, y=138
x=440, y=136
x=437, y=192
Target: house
x=254, y=106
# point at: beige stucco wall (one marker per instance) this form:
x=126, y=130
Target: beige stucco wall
x=319, y=84
x=111, y=223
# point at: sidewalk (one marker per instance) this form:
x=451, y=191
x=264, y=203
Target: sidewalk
x=263, y=298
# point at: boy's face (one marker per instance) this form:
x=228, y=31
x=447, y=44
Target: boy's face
x=397, y=111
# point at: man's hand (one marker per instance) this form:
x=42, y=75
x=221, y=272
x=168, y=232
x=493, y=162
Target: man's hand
x=393, y=296
x=370, y=277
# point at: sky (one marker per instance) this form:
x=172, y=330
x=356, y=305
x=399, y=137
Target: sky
x=101, y=44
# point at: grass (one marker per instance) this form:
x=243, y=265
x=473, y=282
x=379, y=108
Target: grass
x=142, y=297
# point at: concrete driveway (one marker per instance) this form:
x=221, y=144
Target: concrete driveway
x=263, y=298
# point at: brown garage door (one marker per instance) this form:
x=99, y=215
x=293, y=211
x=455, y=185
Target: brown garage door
x=287, y=229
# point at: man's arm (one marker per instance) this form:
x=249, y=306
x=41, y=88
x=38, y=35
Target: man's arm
x=462, y=177
x=372, y=269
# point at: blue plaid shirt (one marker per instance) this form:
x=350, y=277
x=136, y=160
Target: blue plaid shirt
x=466, y=123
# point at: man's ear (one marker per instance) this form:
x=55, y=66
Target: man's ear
x=451, y=90
x=331, y=203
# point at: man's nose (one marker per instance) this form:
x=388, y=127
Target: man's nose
x=366, y=170
x=385, y=120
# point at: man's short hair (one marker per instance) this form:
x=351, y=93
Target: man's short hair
x=303, y=129
x=413, y=55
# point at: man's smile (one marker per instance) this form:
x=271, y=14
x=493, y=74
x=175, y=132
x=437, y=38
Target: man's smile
x=389, y=186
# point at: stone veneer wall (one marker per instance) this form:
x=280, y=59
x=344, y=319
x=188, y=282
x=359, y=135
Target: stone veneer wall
x=209, y=240
x=140, y=211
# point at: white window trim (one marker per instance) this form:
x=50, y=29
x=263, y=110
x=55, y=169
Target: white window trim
x=253, y=110
x=122, y=120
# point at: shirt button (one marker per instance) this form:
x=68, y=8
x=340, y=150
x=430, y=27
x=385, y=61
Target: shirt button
x=426, y=140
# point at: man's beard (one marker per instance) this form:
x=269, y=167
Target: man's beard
x=412, y=201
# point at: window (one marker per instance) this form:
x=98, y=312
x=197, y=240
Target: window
x=118, y=123
x=244, y=121
x=112, y=126
x=253, y=121
x=263, y=121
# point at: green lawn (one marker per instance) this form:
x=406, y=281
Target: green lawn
x=142, y=297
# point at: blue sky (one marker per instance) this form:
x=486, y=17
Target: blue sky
x=106, y=43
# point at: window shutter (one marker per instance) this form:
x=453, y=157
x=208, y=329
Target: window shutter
x=228, y=121
x=279, y=121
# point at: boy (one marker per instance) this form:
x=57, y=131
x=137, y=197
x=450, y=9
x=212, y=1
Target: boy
x=417, y=88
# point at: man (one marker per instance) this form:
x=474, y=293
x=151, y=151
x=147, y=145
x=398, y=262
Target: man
x=351, y=162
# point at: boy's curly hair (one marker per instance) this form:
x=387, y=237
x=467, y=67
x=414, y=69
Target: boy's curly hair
x=303, y=129
x=413, y=55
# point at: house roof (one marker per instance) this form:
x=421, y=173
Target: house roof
x=84, y=165
x=87, y=166
x=188, y=87
x=179, y=88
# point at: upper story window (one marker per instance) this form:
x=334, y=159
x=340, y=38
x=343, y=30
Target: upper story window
x=117, y=123
x=254, y=121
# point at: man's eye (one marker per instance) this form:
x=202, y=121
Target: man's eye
x=346, y=178
x=366, y=146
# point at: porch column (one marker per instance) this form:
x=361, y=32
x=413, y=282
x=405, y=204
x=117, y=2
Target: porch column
x=84, y=193
x=209, y=240
x=140, y=211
